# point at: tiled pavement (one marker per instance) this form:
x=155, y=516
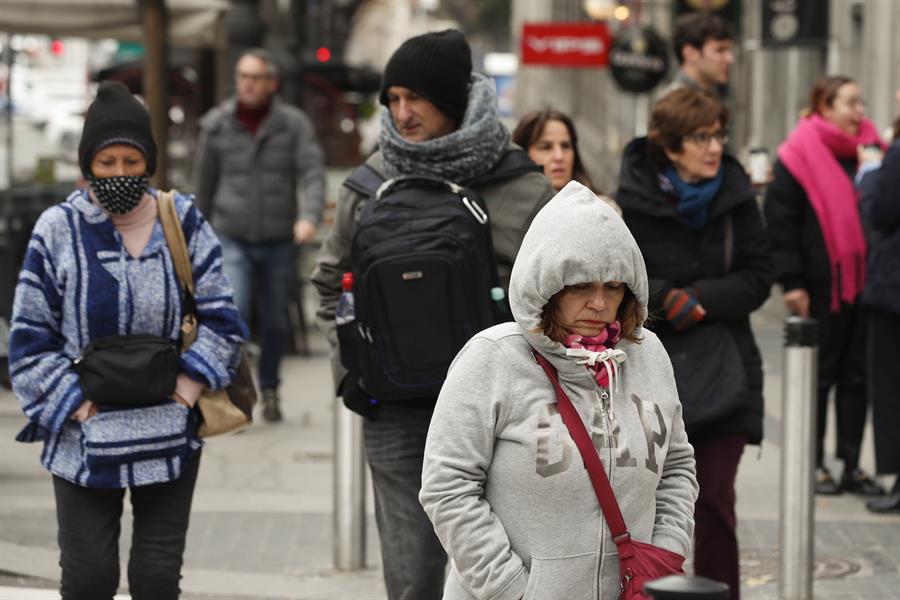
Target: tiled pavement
x=261, y=525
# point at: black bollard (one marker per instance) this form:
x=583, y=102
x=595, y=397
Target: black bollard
x=680, y=587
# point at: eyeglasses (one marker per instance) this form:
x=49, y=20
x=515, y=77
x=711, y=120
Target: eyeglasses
x=702, y=138
x=252, y=76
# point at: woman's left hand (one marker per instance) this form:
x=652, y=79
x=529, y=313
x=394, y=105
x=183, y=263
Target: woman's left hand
x=84, y=412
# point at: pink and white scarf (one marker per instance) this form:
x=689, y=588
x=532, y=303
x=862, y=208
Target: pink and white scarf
x=598, y=353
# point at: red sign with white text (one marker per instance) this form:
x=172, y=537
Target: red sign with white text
x=566, y=44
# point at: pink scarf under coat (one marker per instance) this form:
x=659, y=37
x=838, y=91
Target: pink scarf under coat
x=605, y=340
x=810, y=154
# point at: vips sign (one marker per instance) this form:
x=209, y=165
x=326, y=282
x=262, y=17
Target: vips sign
x=639, y=59
x=565, y=44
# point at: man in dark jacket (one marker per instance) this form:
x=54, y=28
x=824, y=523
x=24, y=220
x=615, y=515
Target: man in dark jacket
x=253, y=151
x=440, y=120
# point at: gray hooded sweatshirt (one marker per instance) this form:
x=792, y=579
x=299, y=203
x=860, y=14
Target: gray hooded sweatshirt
x=503, y=482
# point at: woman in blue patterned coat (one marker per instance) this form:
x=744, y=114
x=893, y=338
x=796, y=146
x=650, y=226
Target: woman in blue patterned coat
x=98, y=265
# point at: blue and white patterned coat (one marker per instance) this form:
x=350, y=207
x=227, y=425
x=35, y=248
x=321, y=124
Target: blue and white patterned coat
x=79, y=283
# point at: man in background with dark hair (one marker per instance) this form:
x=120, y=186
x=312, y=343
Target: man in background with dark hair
x=703, y=44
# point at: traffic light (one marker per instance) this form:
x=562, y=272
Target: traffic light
x=323, y=54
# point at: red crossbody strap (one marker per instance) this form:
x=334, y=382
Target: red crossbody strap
x=595, y=469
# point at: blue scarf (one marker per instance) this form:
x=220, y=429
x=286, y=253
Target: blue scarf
x=694, y=198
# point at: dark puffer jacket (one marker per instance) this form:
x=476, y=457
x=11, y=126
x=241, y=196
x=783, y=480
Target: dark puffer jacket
x=678, y=257
x=801, y=259
x=881, y=204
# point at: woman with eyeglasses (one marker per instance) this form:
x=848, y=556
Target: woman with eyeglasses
x=820, y=249
x=692, y=210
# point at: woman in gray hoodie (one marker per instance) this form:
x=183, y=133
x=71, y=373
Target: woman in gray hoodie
x=503, y=482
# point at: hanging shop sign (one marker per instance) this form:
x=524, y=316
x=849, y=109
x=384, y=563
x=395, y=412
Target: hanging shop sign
x=794, y=23
x=638, y=59
x=565, y=44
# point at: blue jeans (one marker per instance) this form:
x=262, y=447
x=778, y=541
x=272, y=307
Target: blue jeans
x=413, y=558
x=263, y=275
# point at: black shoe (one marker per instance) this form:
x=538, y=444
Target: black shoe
x=858, y=481
x=887, y=505
x=825, y=483
x=271, y=406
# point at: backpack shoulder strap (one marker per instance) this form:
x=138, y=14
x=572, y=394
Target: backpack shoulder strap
x=364, y=180
x=513, y=163
x=171, y=225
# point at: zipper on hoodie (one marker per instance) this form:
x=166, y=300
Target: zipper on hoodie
x=606, y=409
x=603, y=396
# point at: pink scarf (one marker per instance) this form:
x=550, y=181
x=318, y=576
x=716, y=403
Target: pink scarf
x=810, y=154
x=605, y=340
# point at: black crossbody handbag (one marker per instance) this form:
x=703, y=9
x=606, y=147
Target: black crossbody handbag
x=128, y=370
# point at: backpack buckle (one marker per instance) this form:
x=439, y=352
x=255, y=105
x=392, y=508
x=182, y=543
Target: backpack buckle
x=476, y=211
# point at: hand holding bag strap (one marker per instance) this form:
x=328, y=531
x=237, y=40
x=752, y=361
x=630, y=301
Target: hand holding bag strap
x=171, y=225
x=596, y=472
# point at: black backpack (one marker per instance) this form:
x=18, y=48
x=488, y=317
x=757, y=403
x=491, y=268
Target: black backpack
x=423, y=273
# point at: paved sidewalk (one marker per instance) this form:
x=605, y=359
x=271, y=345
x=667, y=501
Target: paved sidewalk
x=261, y=525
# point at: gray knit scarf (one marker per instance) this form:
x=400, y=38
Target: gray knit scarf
x=459, y=156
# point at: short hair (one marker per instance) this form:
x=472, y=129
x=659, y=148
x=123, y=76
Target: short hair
x=677, y=114
x=630, y=315
x=697, y=28
x=824, y=91
x=263, y=55
x=531, y=127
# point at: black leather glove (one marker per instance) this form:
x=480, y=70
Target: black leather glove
x=356, y=398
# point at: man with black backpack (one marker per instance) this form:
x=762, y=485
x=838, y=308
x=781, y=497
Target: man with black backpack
x=425, y=235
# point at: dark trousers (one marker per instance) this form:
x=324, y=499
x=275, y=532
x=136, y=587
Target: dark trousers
x=884, y=388
x=842, y=366
x=89, y=525
x=414, y=560
x=716, y=552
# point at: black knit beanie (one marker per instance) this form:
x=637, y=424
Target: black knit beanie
x=115, y=117
x=437, y=66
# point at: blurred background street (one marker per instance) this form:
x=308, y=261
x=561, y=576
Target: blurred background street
x=261, y=526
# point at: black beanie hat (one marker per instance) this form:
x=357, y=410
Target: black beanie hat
x=115, y=117
x=437, y=66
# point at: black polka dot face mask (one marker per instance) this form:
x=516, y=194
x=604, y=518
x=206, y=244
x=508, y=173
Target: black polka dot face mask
x=119, y=194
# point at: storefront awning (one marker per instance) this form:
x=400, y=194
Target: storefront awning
x=192, y=23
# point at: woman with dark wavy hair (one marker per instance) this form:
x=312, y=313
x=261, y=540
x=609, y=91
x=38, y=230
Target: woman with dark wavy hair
x=550, y=138
x=551, y=141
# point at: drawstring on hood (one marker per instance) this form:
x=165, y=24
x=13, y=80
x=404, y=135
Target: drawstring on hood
x=597, y=352
x=574, y=239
